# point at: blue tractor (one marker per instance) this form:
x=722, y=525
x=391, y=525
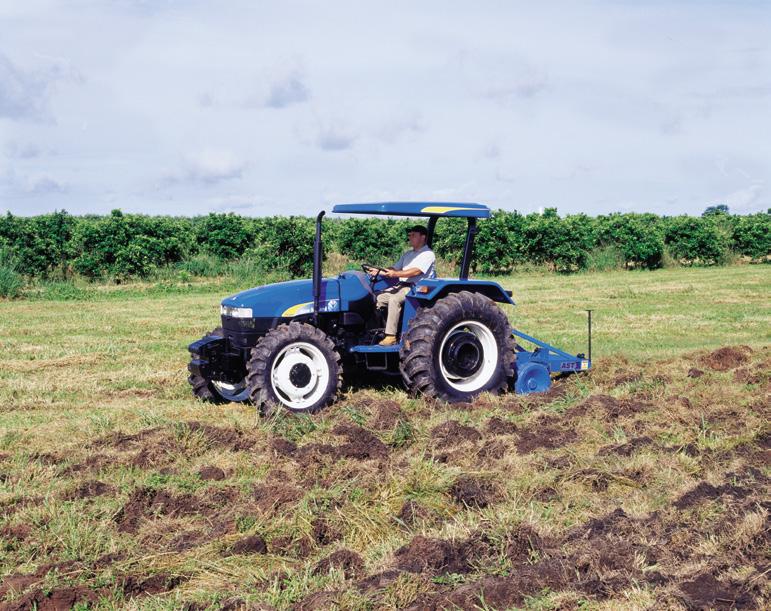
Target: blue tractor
x=287, y=344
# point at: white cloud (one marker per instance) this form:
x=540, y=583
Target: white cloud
x=334, y=138
x=747, y=199
x=212, y=166
x=25, y=94
x=288, y=91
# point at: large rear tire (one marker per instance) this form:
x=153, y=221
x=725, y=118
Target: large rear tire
x=458, y=348
x=296, y=366
x=213, y=391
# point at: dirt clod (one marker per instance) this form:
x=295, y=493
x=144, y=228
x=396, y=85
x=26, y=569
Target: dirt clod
x=727, y=358
x=147, y=502
x=283, y=447
x=273, y=496
x=89, y=489
x=706, y=592
x=546, y=437
x=254, y=544
x=361, y=443
x=707, y=492
x=323, y=532
x=349, y=562
x=138, y=585
x=452, y=433
x=433, y=556
x=499, y=426
x=386, y=416
x=473, y=492
x=413, y=513
x=211, y=473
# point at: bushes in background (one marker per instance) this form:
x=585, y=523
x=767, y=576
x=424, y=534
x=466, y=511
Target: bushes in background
x=54, y=246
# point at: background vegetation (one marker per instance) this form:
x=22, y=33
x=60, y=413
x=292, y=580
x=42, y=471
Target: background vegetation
x=117, y=247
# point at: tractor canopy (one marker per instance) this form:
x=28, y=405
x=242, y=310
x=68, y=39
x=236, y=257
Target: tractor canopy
x=437, y=209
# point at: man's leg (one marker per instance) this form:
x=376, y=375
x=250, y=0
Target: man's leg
x=395, y=302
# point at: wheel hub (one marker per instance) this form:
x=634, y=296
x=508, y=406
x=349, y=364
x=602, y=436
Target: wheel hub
x=462, y=354
x=300, y=375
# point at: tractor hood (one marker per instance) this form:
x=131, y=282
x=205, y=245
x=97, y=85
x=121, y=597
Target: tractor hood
x=286, y=299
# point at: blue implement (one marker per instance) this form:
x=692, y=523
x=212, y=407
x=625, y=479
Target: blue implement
x=535, y=367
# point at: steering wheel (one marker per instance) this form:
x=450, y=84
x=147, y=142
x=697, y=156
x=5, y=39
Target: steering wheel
x=373, y=271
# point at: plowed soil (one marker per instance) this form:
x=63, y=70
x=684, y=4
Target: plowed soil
x=623, y=488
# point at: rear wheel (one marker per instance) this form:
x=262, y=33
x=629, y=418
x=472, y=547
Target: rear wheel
x=457, y=348
x=296, y=366
x=214, y=391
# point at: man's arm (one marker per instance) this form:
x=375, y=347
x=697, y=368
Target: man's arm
x=402, y=273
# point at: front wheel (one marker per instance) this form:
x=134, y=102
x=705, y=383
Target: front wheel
x=296, y=366
x=457, y=348
x=215, y=391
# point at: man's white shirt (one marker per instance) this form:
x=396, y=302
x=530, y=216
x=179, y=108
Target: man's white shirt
x=423, y=259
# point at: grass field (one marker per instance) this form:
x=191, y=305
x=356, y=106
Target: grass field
x=643, y=484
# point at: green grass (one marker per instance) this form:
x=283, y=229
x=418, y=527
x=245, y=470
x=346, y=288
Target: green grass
x=78, y=369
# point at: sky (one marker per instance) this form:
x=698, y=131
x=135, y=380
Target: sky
x=259, y=107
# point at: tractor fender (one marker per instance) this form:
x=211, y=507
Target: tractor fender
x=428, y=291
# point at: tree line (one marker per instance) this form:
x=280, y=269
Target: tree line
x=120, y=245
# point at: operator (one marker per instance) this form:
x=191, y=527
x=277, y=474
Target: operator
x=412, y=266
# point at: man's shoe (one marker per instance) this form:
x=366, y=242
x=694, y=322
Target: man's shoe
x=388, y=340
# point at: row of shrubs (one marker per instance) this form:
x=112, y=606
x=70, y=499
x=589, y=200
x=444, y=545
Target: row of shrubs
x=134, y=246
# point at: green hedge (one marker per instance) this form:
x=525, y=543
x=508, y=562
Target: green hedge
x=132, y=245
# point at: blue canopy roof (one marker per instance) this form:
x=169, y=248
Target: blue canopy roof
x=465, y=210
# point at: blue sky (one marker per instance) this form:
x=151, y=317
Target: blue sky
x=186, y=107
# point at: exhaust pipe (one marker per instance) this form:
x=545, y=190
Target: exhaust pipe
x=317, y=269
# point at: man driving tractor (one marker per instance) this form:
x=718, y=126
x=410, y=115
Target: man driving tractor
x=412, y=266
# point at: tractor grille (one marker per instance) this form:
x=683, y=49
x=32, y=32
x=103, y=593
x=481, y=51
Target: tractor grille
x=245, y=332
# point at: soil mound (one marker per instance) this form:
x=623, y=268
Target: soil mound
x=452, y=433
x=349, y=562
x=473, y=492
x=432, y=556
x=89, y=489
x=211, y=473
x=547, y=437
x=386, y=415
x=505, y=592
x=221, y=437
x=138, y=585
x=727, y=358
x=323, y=532
x=378, y=580
x=413, y=512
x=706, y=592
x=626, y=449
x=283, y=447
x=60, y=599
x=361, y=444
x=147, y=502
x=707, y=492
x=253, y=544
x=499, y=426
x=273, y=496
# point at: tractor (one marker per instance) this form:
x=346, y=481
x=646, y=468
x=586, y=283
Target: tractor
x=287, y=344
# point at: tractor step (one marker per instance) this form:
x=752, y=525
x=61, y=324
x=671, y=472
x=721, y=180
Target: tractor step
x=377, y=348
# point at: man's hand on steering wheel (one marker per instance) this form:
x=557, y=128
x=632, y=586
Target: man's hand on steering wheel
x=374, y=271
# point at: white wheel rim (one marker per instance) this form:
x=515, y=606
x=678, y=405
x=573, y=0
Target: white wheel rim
x=232, y=392
x=489, y=365
x=299, y=353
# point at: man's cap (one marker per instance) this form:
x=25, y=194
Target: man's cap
x=418, y=229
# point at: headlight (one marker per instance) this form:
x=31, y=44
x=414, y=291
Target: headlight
x=236, y=312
